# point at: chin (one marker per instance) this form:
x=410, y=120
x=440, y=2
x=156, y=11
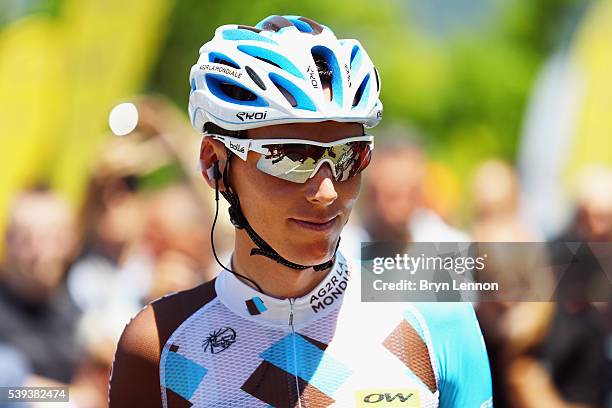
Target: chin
x=312, y=253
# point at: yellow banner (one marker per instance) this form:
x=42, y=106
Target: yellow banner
x=59, y=78
x=593, y=53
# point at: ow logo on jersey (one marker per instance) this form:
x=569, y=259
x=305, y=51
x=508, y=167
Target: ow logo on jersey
x=391, y=397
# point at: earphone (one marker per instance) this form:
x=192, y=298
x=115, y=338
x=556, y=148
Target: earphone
x=213, y=172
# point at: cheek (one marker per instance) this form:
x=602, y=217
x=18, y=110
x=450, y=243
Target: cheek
x=348, y=192
x=262, y=197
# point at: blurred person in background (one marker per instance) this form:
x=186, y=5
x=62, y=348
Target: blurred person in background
x=496, y=195
x=544, y=354
x=509, y=327
x=112, y=266
x=593, y=216
x=177, y=233
x=37, y=316
x=139, y=208
x=393, y=203
x=146, y=236
x=572, y=364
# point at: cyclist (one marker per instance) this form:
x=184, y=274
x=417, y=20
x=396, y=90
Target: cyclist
x=283, y=107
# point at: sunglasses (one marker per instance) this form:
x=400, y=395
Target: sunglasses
x=298, y=160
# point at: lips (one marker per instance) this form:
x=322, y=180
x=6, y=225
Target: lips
x=316, y=224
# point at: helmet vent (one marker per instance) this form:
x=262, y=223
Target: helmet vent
x=269, y=62
x=377, y=80
x=325, y=74
x=219, y=58
x=287, y=95
x=316, y=28
x=237, y=93
x=255, y=77
x=230, y=91
x=272, y=58
x=274, y=23
x=296, y=97
x=360, y=91
x=253, y=29
x=329, y=71
x=302, y=26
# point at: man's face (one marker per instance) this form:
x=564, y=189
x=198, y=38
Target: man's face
x=302, y=222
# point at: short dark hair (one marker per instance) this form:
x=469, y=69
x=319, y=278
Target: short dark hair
x=211, y=128
x=325, y=71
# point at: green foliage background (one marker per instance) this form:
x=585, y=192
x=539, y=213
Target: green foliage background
x=455, y=73
x=464, y=92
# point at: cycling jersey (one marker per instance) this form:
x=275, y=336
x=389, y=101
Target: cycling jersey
x=241, y=348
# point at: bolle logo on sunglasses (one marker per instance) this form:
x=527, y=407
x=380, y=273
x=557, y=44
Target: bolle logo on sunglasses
x=236, y=147
x=251, y=115
x=240, y=148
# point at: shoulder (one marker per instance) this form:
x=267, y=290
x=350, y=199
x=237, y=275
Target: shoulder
x=136, y=363
x=149, y=330
x=448, y=318
x=453, y=330
x=459, y=350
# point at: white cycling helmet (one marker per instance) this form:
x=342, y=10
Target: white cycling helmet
x=248, y=77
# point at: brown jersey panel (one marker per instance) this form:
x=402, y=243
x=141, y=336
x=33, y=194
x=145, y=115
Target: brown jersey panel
x=134, y=378
x=406, y=344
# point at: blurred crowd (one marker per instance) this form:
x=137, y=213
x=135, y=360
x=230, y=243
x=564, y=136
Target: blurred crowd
x=72, y=278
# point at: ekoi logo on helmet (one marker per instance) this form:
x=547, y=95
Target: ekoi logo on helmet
x=251, y=115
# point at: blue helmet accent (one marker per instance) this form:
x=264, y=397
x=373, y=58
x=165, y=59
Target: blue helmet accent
x=299, y=24
x=302, y=100
x=271, y=57
x=217, y=57
x=238, y=34
x=355, y=57
x=215, y=82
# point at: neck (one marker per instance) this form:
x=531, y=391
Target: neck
x=275, y=280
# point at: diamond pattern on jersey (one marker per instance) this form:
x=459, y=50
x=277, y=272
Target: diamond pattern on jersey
x=183, y=376
x=278, y=388
x=176, y=401
x=318, y=374
x=405, y=343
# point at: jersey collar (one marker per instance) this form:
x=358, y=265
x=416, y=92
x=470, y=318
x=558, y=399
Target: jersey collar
x=247, y=302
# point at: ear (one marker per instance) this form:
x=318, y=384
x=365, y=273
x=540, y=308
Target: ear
x=211, y=152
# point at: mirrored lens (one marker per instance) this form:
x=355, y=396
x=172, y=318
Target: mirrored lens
x=296, y=162
x=352, y=158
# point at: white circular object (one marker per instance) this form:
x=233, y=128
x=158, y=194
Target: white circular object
x=123, y=118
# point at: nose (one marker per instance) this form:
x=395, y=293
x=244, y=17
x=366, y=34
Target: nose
x=320, y=189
